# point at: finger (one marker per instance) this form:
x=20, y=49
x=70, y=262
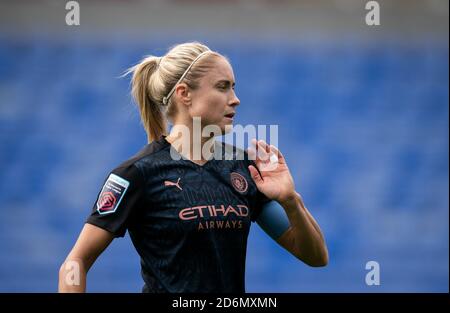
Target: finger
x=262, y=153
x=264, y=145
x=255, y=174
x=278, y=153
x=259, y=156
x=251, y=152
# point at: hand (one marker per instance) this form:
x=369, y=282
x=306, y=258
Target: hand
x=275, y=180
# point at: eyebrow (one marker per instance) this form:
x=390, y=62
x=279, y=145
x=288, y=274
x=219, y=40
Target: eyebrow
x=228, y=82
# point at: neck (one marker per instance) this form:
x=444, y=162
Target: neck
x=189, y=142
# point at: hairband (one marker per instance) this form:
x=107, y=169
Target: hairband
x=166, y=98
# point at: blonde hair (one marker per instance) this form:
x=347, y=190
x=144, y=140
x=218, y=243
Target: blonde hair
x=155, y=77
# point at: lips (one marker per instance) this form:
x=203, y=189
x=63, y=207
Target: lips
x=230, y=115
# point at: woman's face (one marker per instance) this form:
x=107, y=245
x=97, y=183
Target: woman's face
x=214, y=100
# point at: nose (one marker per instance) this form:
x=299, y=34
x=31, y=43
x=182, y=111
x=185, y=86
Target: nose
x=235, y=100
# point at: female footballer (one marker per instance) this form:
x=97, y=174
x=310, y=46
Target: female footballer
x=189, y=217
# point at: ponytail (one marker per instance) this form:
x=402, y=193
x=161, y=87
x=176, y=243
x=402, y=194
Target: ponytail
x=152, y=113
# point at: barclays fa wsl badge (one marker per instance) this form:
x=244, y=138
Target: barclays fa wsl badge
x=112, y=193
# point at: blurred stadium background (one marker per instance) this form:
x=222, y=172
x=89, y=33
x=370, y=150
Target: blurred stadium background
x=362, y=114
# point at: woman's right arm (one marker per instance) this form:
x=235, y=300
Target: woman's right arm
x=91, y=242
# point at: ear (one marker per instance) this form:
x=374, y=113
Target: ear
x=183, y=94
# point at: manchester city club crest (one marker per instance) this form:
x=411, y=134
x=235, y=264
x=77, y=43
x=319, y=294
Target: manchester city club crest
x=239, y=182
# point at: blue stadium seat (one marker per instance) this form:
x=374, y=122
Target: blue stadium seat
x=369, y=123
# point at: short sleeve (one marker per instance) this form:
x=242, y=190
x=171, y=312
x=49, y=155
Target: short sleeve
x=117, y=200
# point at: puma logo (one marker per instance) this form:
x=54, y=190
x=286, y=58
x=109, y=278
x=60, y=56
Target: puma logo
x=177, y=184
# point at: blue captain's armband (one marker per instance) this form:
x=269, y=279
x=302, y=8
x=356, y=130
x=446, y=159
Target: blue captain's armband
x=273, y=219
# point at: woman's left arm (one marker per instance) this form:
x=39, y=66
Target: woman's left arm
x=303, y=238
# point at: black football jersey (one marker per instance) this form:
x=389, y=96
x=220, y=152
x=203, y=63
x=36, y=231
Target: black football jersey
x=189, y=223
